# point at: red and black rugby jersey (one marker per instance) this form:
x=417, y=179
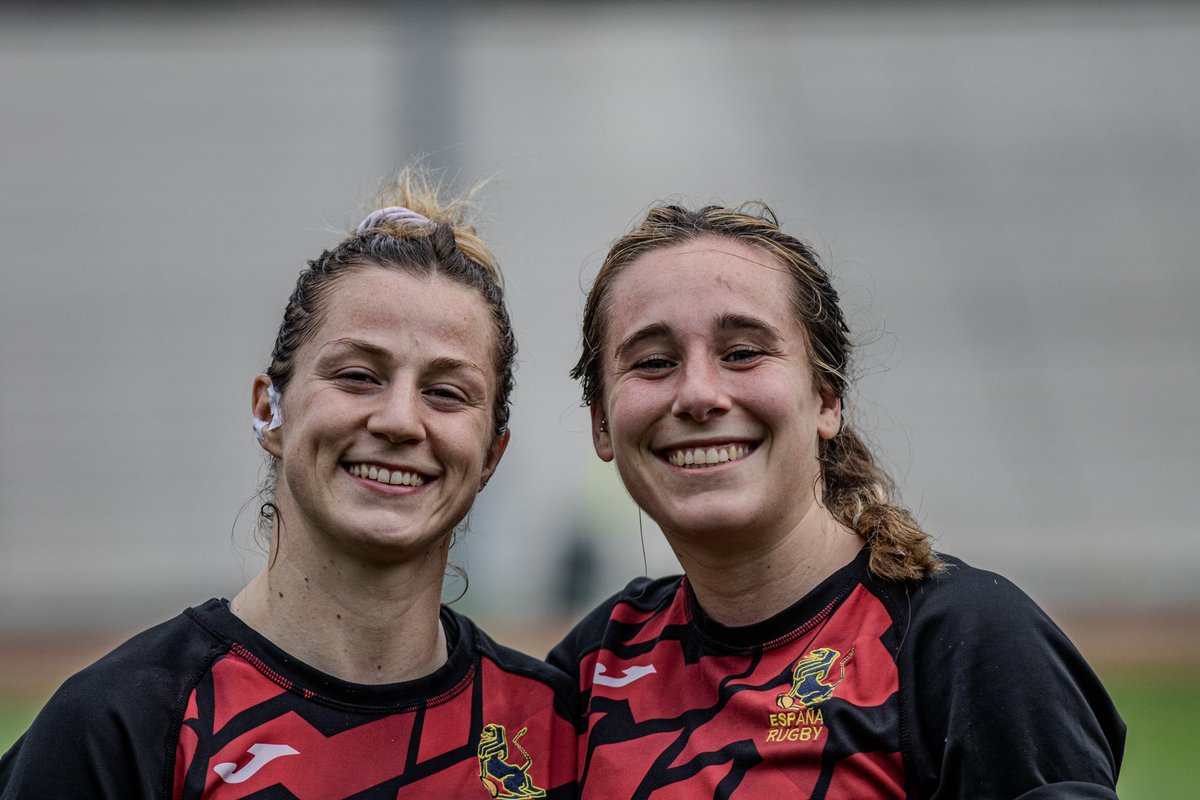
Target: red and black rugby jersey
x=953, y=687
x=204, y=707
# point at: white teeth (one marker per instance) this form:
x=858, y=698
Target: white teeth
x=385, y=475
x=406, y=479
x=704, y=456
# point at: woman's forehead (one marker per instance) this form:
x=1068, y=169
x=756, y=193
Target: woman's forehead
x=709, y=276
x=397, y=308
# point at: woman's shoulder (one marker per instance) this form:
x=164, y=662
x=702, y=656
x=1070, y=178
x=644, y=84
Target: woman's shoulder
x=966, y=622
x=162, y=655
x=960, y=594
x=112, y=717
x=641, y=596
x=998, y=697
x=642, y=599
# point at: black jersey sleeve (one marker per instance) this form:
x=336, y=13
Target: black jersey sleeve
x=81, y=748
x=998, y=702
x=110, y=730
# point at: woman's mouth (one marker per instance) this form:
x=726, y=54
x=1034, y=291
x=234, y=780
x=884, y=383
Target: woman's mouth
x=391, y=477
x=707, y=456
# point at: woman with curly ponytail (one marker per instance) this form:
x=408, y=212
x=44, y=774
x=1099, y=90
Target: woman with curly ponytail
x=816, y=646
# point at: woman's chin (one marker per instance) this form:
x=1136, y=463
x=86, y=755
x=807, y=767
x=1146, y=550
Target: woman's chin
x=707, y=523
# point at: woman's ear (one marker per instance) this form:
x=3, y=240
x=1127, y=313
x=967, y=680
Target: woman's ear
x=494, y=454
x=829, y=418
x=266, y=416
x=601, y=438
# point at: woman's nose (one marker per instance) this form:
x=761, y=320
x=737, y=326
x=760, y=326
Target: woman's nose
x=701, y=391
x=398, y=416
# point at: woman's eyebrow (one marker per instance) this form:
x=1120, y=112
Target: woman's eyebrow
x=652, y=331
x=444, y=364
x=743, y=322
x=358, y=345
x=374, y=351
x=725, y=322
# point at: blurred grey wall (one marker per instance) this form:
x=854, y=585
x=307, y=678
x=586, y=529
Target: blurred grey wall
x=1009, y=199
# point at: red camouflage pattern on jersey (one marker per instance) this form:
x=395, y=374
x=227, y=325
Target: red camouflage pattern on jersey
x=428, y=750
x=708, y=721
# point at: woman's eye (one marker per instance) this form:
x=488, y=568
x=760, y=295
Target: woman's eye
x=654, y=363
x=446, y=394
x=742, y=354
x=356, y=377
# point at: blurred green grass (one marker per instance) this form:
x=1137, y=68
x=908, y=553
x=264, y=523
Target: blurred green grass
x=1160, y=708
x=15, y=716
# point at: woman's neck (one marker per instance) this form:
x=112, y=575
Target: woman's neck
x=361, y=623
x=741, y=580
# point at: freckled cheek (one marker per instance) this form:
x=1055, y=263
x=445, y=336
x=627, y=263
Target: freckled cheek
x=313, y=432
x=631, y=411
x=466, y=450
x=781, y=399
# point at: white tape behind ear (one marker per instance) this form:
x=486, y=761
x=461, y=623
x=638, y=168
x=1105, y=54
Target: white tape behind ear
x=276, y=415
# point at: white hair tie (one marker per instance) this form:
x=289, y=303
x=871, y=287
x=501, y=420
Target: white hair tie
x=392, y=214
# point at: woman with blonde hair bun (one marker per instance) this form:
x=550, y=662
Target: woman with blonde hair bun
x=336, y=672
x=817, y=646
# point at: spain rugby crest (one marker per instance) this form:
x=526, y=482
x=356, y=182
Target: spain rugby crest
x=499, y=776
x=811, y=684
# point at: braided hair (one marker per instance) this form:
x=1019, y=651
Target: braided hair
x=434, y=237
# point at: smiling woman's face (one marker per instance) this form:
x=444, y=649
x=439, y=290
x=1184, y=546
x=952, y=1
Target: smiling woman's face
x=387, y=422
x=709, y=408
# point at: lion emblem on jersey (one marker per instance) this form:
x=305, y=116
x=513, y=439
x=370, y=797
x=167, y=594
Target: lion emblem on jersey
x=499, y=777
x=810, y=678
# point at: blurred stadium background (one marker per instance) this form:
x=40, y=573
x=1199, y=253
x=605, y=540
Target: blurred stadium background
x=1008, y=196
